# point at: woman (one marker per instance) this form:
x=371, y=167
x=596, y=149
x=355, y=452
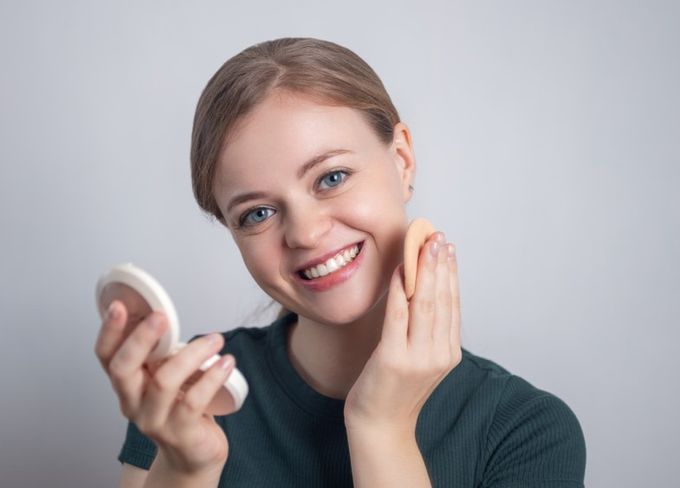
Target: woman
x=298, y=151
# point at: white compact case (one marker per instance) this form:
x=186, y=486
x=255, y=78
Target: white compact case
x=141, y=294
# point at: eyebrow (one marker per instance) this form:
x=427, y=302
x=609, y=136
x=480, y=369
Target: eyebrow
x=318, y=159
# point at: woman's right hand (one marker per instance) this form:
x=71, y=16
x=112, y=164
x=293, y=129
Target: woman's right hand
x=167, y=400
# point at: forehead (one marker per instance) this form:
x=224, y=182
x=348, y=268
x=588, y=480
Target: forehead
x=282, y=132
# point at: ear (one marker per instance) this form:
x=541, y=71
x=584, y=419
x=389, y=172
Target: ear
x=404, y=157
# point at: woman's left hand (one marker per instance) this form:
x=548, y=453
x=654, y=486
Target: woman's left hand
x=419, y=346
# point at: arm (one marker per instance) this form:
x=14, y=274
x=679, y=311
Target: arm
x=419, y=346
x=134, y=477
x=386, y=459
x=161, y=474
x=535, y=443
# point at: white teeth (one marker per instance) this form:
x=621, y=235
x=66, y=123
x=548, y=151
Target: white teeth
x=333, y=264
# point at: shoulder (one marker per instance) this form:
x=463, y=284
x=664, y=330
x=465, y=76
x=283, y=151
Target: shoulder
x=515, y=399
x=533, y=436
x=245, y=333
x=509, y=390
x=242, y=336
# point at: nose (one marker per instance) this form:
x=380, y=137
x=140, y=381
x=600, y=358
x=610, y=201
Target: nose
x=304, y=227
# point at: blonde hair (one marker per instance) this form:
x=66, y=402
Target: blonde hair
x=316, y=68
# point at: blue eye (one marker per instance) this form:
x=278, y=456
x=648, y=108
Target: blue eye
x=256, y=211
x=332, y=173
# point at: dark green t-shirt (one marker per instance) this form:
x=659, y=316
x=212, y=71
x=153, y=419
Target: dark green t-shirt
x=481, y=427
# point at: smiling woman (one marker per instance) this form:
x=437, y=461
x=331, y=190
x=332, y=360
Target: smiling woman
x=316, y=70
x=312, y=186
x=299, y=152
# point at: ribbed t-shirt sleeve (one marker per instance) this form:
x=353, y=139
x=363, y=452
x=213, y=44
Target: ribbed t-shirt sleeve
x=137, y=449
x=535, y=440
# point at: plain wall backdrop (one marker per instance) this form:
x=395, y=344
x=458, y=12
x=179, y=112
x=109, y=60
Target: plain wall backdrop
x=547, y=139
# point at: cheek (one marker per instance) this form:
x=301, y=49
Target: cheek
x=375, y=207
x=257, y=260
x=383, y=215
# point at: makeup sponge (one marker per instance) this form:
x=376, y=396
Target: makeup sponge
x=419, y=230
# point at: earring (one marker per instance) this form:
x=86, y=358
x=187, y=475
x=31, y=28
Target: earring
x=411, y=188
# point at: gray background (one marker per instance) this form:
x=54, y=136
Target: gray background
x=547, y=143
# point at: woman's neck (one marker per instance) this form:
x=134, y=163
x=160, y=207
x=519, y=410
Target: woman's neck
x=331, y=358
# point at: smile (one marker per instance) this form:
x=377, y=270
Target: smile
x=333, y=271
x=333, y=264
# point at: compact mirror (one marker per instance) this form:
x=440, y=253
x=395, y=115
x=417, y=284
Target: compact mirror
x=141, y=294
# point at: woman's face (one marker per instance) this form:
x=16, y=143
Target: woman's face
x=355, y=195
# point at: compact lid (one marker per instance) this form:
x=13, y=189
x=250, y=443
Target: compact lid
x=141, y=294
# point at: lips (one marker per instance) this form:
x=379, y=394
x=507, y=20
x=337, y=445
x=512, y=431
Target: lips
x=322, y=259
x=334, y=279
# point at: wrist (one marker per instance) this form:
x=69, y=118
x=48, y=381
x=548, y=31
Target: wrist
x=383, y=427
x=383, y=456
x=383, y=433
x=167, y=472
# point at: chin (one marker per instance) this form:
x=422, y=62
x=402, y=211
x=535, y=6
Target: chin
x=347, y=311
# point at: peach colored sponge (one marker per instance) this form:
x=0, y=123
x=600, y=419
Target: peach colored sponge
x=419, y=230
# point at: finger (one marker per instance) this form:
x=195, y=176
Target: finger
x=423, y=303
x=441, y=330
x=455, y=298
x=168, y=379
x=126, y=367
x=395, y=326
x=197, y=399
x=110, y=333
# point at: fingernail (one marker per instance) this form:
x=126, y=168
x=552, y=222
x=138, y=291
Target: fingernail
x=440, y=237
x=227, y=361
x=434, y=248
x=213, y=338
x=111, y=312
x=451, y=249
